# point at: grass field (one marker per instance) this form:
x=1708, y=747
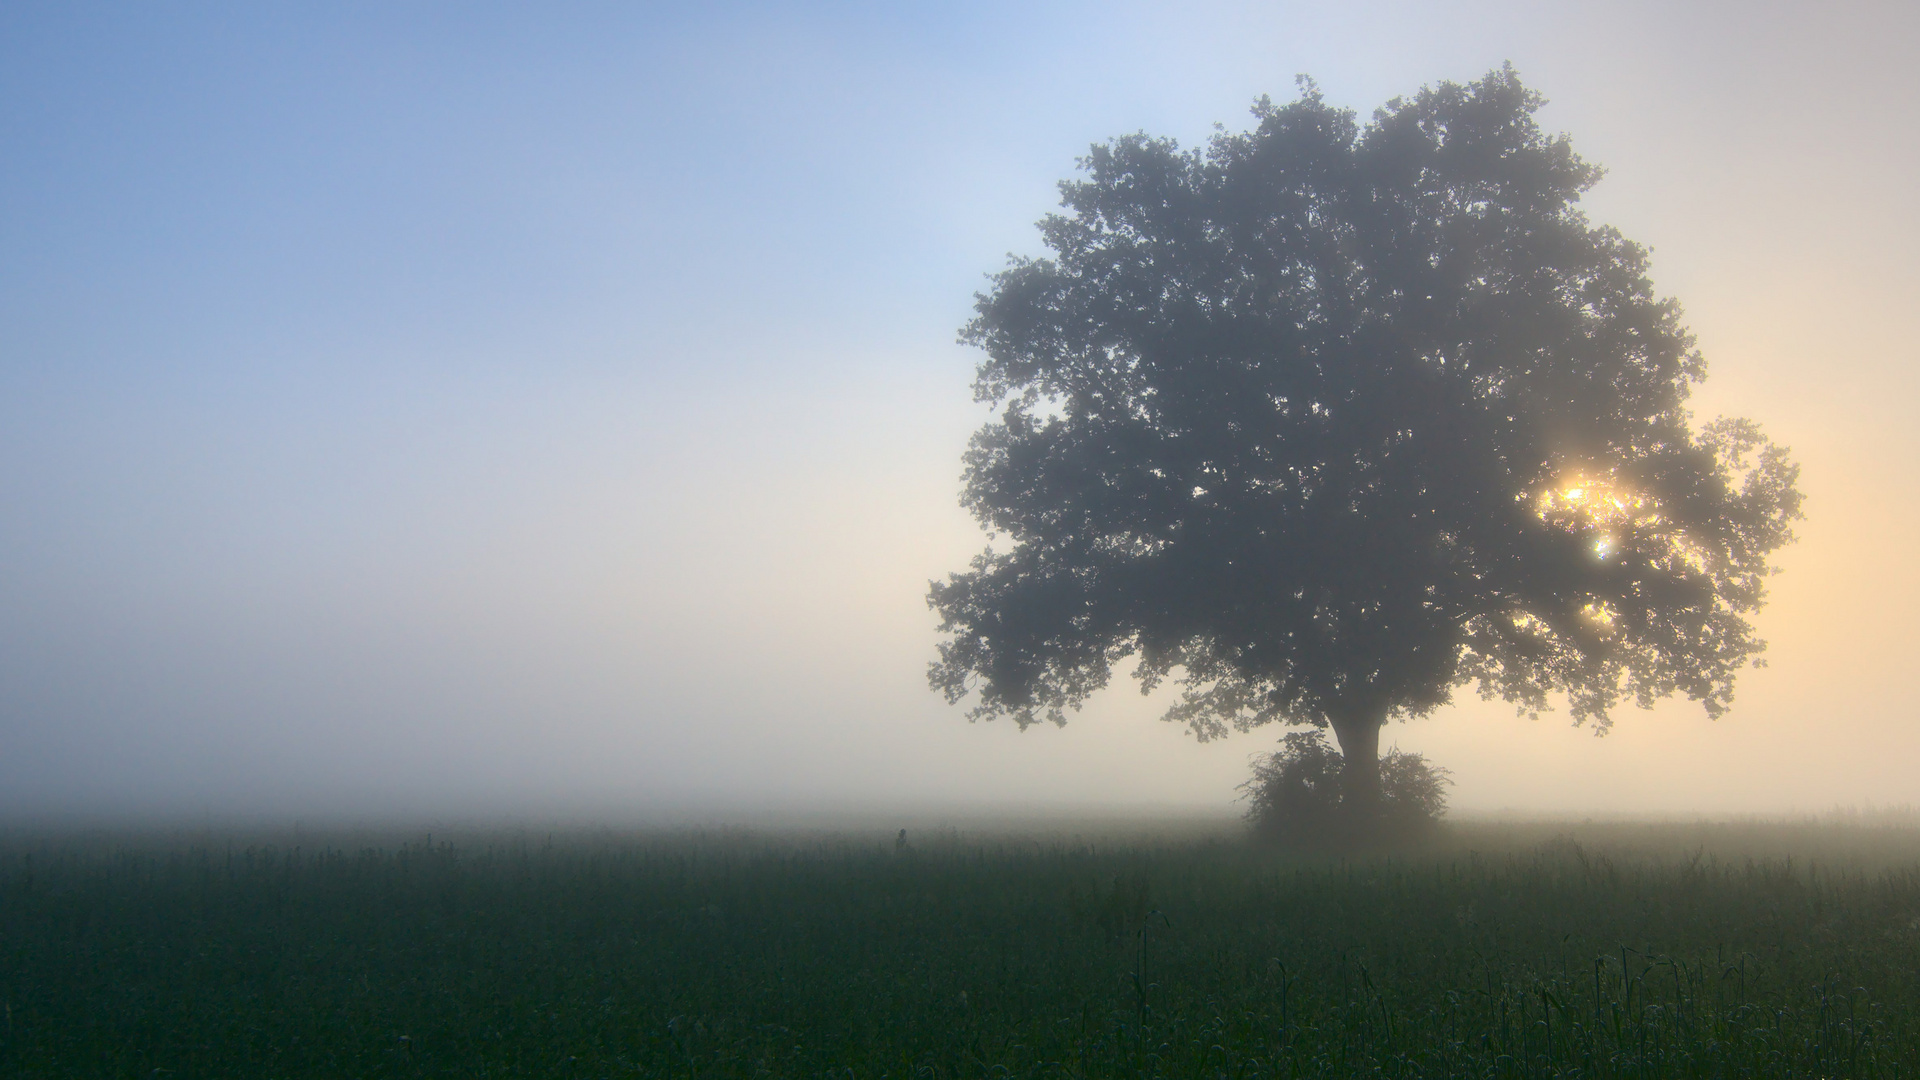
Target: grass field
x=1504, y=950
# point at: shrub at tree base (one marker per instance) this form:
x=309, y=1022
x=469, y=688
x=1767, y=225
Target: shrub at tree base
x=1295, y=795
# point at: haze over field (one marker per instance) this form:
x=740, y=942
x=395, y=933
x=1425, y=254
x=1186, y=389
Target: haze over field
x=474, y=411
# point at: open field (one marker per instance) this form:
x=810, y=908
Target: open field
x=1507, y=949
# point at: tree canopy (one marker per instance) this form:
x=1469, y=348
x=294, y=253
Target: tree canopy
x=1327, y=420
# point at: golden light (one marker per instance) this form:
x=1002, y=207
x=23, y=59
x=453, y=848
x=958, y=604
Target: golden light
x=1613, y=512
x=1600, y=615
x=1594, y=500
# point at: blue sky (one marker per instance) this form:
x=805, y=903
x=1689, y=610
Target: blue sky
x=434, y=408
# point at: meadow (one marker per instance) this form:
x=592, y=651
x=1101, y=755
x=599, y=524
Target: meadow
x=1499, y=950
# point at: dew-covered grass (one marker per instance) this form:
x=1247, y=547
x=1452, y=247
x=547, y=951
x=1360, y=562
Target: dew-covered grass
x=1503, y=950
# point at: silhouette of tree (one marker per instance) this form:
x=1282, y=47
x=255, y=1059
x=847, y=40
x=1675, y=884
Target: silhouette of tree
x=1326, y=420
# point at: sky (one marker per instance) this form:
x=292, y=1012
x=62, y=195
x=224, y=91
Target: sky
x=437, y=410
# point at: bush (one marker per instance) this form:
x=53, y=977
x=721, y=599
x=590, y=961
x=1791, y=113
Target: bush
x=1296, y=792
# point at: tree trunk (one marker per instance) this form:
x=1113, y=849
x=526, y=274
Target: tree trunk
x=1359, y=738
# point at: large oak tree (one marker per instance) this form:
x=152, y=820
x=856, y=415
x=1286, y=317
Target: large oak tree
x=1327, y=420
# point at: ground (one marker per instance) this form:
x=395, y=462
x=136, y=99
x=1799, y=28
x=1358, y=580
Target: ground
x=1503, y=949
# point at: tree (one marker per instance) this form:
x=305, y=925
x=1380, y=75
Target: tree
x=1325, y=421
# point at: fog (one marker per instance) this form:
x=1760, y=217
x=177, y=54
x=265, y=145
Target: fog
x=459, y=411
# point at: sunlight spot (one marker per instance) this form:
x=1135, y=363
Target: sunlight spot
x=1598, y=612
x=1528, y=622
x=1586, y=500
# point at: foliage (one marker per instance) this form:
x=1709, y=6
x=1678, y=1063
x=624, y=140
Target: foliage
x=1296, y=793
x=671, y=956
x=1326, y=420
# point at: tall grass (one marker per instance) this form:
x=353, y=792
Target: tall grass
x=1507, y=951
